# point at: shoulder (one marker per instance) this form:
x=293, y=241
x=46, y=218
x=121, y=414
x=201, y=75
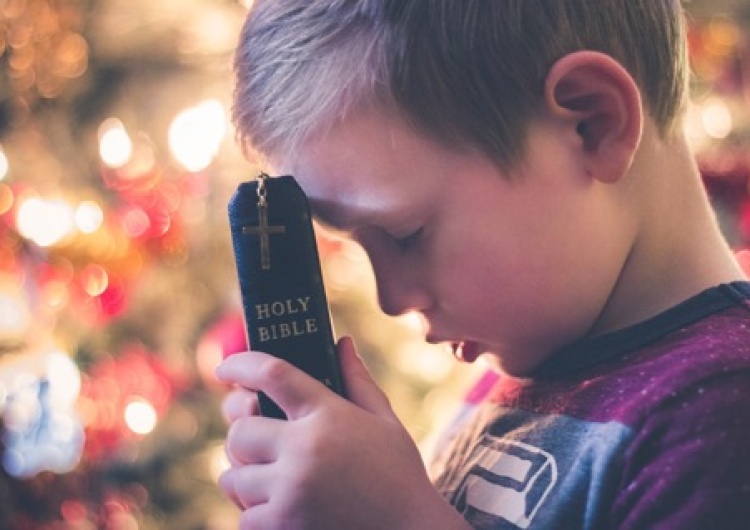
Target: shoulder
x=689, y=460
x=712, y=352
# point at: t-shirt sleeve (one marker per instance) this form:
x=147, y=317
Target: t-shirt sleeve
x=689, y=464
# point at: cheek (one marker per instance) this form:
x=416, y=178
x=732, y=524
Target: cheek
x=505, y=286
x=495, y=294
x=476, y=278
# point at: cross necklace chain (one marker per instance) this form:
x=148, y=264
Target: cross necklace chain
x=263, y=230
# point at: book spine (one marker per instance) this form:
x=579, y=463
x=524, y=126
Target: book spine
x=281, y=285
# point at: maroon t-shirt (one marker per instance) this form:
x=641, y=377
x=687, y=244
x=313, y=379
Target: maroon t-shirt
x=644, y=428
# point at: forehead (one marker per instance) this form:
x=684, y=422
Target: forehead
x=366, y=166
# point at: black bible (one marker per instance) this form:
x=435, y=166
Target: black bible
x=283, y=297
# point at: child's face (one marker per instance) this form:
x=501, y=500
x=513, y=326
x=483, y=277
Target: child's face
x=515, y=265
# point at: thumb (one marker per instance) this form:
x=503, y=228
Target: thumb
x=360, y=387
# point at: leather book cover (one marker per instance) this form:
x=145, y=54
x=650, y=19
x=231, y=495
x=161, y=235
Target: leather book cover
x=283, y=296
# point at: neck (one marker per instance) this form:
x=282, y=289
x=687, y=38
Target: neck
x=678, y=250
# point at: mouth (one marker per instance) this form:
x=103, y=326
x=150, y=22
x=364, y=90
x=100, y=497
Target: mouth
x=466, y=351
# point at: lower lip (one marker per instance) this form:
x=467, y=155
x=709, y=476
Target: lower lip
x=466, y=351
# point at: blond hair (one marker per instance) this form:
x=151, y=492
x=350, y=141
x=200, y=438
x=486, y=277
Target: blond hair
x=468, y=73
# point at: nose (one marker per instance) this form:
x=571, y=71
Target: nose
x=397, y=296
x=401, y=281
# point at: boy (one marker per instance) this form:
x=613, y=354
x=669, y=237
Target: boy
x=517, y=172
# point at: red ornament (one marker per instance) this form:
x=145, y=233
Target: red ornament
x=113, y=301
x=116, y=382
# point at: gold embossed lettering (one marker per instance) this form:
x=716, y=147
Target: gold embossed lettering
x=303, y=302
x=262, y=311
x=285, y=328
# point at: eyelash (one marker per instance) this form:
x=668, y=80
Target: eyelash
x=408, y=241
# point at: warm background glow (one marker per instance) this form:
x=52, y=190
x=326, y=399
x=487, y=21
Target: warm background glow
x=118, y=294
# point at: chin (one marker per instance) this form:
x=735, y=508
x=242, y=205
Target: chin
x=520, y=368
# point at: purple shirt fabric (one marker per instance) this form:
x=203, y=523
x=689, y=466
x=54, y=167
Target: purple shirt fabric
x=643, y=428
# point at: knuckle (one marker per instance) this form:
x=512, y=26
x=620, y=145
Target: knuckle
x=241, y=489
x=313, y=445
x=274, y=369
x=234, y=445
x=226, y=482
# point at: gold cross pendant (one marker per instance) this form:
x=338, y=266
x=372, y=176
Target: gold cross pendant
x=263, y=230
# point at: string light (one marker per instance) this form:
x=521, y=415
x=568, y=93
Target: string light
x=4, y=165
x=7, y=198
x=44, y=221
x=716, y=118
x=196, y=133
x=140, y=416
x=64, y=379
x=115, y=145
x=44, y=48
x=135, y=222
x=89, y=217
x=94, y=279
x=43, y=432
x=14, y=314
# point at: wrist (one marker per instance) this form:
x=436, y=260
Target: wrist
x=434, y=512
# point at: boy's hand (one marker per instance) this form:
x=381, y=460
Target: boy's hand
x=334, y=463
x=239, y=403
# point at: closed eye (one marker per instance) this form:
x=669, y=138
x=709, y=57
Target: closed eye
x=407, y=242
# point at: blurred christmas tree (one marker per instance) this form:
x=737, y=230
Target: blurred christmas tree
x=113, y=260
x=117, y=288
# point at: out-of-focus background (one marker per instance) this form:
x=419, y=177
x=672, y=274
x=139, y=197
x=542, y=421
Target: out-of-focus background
x=118, y=294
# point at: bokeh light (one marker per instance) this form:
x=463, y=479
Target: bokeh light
x=140, y=416
x=64, y=378
x=218, y=461
x=115, y=145
x=7, y=198
x=14, y=313
x=135, y=222
x=4, y=165
x=42, y=429
x=44, y=221
x=717, y=118
x=94, y=279
x=89, y=217
x=196, y=133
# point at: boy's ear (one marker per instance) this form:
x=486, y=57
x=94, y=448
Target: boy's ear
x=600, y=101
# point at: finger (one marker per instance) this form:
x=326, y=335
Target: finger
x=294, y=391
x=360, y=386
x=254, y=440
x=248, y=486
x=259, y=517
x=226, y=484
x=238, y=404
